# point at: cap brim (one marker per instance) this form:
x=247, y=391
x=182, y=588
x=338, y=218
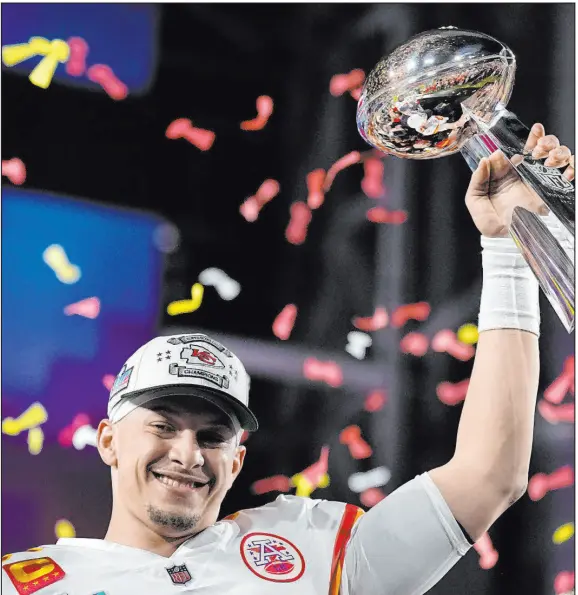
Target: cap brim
x=223, y=401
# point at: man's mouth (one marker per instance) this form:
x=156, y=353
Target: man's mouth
x=179, y=484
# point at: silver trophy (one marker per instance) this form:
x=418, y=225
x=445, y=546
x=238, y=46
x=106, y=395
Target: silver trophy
x=446, y=90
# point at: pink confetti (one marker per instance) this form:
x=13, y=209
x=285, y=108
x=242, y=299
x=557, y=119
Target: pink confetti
x=183, y=128
x=341, y=164
x=301, y=216
x=414, y=343
x=15, y=170
x=264, y=111
x=564, y=582
x=252, y=206
x=284, y=322
x=556, y=413
x=371, y=497
x=356, y=93
x=328, y=372
x=540, y=483
x=108, y=381
x=358, y=447
x=418, y=311
x=89, y=308
x=376, y=322
x=66, y=434
x=382, y=215
x=375, y=400
x=372, y=182
x=488, y=554
x=316, y=196
x=556, y=392
x=76, y=65
x=452, y=393
x=446, y=341
x=315, y=472
x=105, y=77
x=341, y=83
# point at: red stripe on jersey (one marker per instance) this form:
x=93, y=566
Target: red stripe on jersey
x=349, y=518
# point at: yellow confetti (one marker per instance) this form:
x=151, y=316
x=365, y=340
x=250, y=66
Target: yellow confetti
x=56, y=258
x=468, y=334
x=35, y=441
x=563, y=533
x=32, y=417
x=187, y=306
x=64, y=528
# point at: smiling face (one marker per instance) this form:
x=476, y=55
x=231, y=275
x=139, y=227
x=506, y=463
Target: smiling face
x=173, y=461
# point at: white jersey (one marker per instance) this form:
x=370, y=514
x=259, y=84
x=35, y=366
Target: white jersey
x=291, y=546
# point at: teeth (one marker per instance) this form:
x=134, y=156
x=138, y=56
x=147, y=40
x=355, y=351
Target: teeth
x=177, y=484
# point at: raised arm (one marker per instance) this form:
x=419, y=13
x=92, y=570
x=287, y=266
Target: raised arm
x=489, y=469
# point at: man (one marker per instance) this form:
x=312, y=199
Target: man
x=175, y=416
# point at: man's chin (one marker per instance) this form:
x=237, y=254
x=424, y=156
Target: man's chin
x=174, y=521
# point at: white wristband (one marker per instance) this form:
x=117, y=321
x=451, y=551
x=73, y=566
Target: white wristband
x=509, y=289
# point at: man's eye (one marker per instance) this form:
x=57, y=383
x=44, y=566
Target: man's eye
x=163, y=427
x=212, y=438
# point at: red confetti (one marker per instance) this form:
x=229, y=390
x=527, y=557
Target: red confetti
x=301, y=216
x=15, y=170
x=556, y=413
x=415, y=343
x=251, y=208
x=446, y=341
x=375, y=401
x=358, y=447
x=66, y=434
x=89, y=308
x=264, y=111
x=328, y=372
x=371, y=497
x=341, y=164
x=540, y=483
x=450, y=393
x=556, y=392
x=284, y=322
x=105, y=77
x=488, y=554
x=418, y=311
x=372, y=183
x=376, y=322
x=341, y=83
x=277, y=483
x=76, y=64
x=316, y=196
x=199, y=137
x=382, y=215
x=564, y=582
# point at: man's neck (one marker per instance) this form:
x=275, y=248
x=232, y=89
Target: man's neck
x=136, y=534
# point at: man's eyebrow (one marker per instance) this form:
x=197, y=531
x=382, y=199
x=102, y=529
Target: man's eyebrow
x=215, y=422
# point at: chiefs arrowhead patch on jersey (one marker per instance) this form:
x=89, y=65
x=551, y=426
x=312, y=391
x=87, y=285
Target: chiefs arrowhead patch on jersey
x=272, y=558
x=29, y=576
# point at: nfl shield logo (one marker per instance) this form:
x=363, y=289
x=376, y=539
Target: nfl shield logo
x=180, y=575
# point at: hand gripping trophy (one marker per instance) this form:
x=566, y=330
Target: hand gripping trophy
x=446, y=90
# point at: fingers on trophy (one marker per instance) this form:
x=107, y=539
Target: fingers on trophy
x=445, y=91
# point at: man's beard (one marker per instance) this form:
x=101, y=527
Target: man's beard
x=183, y=523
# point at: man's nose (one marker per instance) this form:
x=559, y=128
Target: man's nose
x=186, y=451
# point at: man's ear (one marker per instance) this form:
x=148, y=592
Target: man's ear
x=237, y=463
x=105, y=442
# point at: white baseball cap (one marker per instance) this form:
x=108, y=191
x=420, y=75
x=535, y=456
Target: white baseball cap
x=194, y=365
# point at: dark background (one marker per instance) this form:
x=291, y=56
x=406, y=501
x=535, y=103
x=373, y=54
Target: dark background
x=213, y=61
